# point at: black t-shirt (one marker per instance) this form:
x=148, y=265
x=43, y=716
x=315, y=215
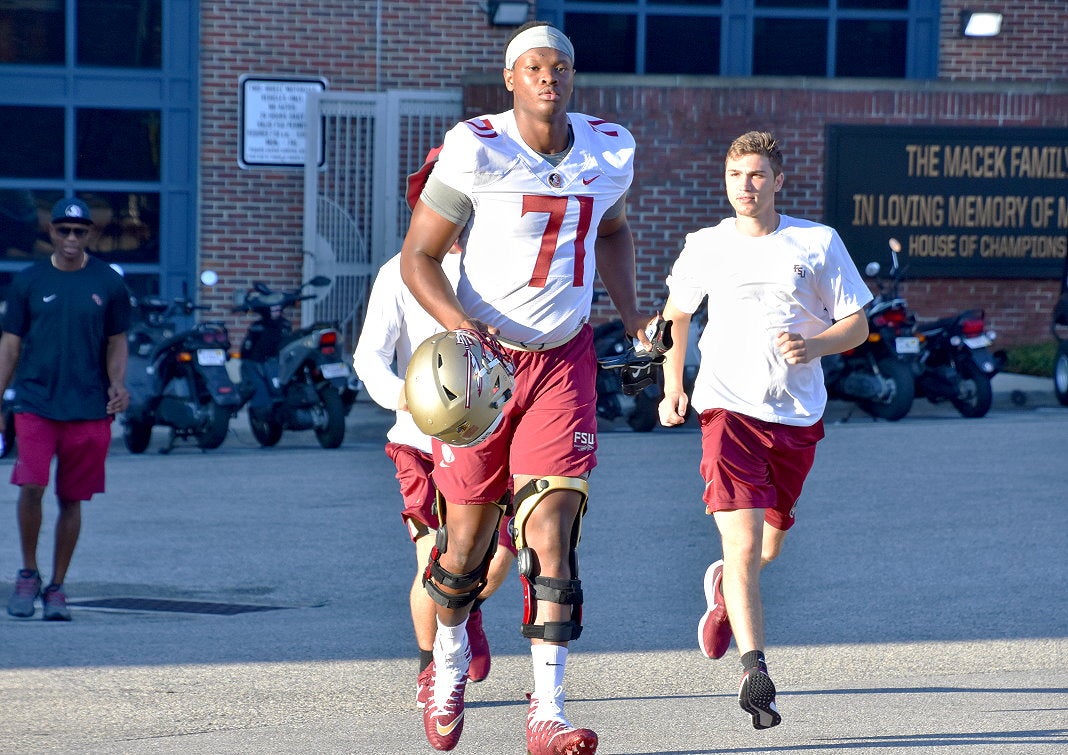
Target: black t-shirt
x=64, y=320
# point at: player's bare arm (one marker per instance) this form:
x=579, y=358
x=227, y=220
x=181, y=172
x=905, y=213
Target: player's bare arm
x=675, y=402
x=844, y=334
x=429, y=238
x=615, y=266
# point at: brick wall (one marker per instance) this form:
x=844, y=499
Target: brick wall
x=682, y=133
x=251, y=220
x=1030, y=47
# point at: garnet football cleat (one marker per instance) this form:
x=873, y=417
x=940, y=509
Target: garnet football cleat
x=424, y=686
x=443, y=716
x=549, y=733
x=480, y=652
x=714, y=629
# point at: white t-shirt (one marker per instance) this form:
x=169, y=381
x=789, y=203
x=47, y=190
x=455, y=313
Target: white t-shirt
x=395, y=324
x=799, y=279
x=529, y=261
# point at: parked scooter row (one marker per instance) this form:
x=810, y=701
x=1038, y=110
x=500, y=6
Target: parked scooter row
x=941, y=360
x=178, y=379
x=291, y=379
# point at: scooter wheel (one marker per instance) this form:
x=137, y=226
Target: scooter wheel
x=332, y=433
x=1060, y=373
x=974, y=392
x=136, y=435
x=898, y=401
x=266, y=431
x=214, y=432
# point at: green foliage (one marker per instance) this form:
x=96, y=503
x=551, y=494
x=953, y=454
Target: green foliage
x=1035, y=359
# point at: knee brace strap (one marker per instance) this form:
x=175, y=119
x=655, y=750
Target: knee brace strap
x=469, y=585
x=564, y=591
x=536, y=587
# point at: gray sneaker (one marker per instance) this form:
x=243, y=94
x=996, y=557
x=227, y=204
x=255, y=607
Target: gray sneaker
x=27, y=588
x=54, y=602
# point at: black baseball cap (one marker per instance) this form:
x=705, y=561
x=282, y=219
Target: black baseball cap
x=71, y=210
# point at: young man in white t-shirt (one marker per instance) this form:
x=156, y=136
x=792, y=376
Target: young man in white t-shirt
x=782, y=292
x=393, y=328
x=538, y=195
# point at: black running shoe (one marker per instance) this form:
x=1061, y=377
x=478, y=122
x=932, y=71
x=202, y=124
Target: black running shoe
x=756, y=695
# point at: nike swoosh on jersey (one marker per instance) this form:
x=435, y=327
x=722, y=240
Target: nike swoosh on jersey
x=49, y=298
x=591, y=179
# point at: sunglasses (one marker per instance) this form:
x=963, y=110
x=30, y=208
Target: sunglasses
x=79, y=231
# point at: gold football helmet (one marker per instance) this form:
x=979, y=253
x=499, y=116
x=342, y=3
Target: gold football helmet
x=456, y=386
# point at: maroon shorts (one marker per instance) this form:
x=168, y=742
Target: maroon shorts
x=748, y=463
x=80, y=448
x=549, y=427
x=414, y=471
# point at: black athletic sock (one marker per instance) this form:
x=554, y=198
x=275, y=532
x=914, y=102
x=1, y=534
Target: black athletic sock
x=426, y=657
x=754, y=659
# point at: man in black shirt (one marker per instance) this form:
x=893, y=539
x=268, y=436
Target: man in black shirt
x=65, y=332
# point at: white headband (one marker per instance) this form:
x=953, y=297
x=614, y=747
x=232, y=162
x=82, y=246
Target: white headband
x=538, y=36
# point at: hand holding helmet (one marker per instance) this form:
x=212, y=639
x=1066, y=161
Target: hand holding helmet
x=456, y=386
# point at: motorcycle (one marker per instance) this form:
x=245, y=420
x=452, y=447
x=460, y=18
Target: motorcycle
x=610, y=341
x=878, y=374
x=1057, y=329
x=956, y=363
x=178, y=379
x=292, y=379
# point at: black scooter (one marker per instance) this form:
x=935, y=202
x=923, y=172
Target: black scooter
x=178, y=379
x=879, y=374
x=957, y=364
x=293, y=379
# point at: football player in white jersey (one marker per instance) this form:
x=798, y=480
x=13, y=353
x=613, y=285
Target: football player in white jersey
x=393, y=327
x=782, y=292
x=538, y=197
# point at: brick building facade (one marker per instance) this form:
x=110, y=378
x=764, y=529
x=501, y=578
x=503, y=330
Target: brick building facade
x=251, y=220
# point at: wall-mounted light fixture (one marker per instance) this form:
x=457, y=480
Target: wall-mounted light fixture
x=507, y=12
x=979, y=23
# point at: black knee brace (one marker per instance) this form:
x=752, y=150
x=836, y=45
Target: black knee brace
x=469, y=585
x=536, y=587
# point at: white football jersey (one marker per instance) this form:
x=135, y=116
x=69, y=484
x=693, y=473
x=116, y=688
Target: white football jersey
x=529, y=261
x=798, y=279
x=395, y=324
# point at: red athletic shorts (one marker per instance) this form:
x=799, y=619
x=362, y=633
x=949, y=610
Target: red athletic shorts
x=748, y=463
x=549, y=426
x=414, y=470
x=80, y=448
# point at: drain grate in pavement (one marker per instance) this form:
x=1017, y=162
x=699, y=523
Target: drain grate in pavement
x=173, y=606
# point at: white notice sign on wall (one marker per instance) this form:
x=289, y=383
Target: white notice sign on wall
x=273, y=128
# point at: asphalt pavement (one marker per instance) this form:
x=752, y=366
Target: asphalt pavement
x=249, y=600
